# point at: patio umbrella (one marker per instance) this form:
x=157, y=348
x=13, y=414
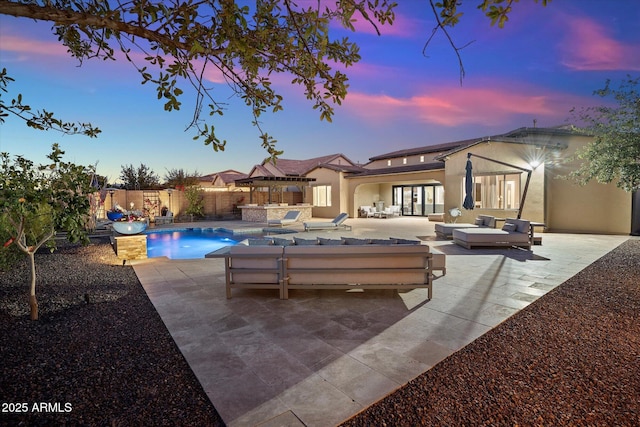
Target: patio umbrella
x=468, y=185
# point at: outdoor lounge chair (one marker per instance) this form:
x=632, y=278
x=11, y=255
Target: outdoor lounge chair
x=290, y=218
x=335, y=224
x=164, y=219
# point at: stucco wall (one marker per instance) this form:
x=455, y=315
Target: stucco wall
x=367, y=190
x=593, y=208
x=514, y=154
x=327, y=177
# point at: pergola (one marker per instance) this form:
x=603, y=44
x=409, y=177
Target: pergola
x=273, y=182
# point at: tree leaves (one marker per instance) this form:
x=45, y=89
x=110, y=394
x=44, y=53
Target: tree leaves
x=40, y=120
x=614, y=154
x=246, y=44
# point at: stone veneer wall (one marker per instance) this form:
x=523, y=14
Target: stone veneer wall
x=260, y=214
x=131, y=247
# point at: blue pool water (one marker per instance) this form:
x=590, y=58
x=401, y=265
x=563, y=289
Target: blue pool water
x=189, y=243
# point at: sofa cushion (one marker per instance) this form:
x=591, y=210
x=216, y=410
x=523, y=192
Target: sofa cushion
x=489, y=235
x=383, y=241
x=508, y=226
x=305, y=242
x=522, y=226
x=282, y=242
x=405, y=241
x=259, y=242
x=323, y=241
x=354, y=241
x=487, y=221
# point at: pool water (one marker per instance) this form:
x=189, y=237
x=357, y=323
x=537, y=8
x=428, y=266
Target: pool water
x=189, y=243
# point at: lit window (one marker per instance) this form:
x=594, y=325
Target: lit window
x=421, y=159
x=322, y=195
x=496, y=191
x=404, y=161
x=388, y=162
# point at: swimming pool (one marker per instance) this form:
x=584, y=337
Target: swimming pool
x=191, y=243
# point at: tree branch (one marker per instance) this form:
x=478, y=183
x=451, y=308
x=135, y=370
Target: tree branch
x=71, y=17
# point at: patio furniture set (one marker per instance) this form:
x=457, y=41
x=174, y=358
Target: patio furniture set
x=353, y=263
x=321, y=264
x=514, y=233
x=373, y=212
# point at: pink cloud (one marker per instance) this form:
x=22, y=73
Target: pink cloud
x=455, y=106
x=403, y=26
x=25, y=46
x=589, y=47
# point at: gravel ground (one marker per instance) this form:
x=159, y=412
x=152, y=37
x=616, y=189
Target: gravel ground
x=572, y=358
x=101, y=356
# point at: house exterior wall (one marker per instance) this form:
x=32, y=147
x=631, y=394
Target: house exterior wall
x=515, y=154
x=561, y=204
x=365, y=191
x=416, y=159
x=593, y=208
x=339, y=197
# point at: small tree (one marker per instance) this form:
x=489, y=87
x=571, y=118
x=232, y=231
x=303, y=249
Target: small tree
x=141, y=178
x=180, y=179
x=37, y=201
x=195, y=200
x=614, y=154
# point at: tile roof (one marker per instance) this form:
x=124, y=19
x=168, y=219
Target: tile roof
x=397, y=170
x=291, y=167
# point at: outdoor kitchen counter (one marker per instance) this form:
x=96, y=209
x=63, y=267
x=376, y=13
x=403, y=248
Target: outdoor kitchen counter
x=254, y=213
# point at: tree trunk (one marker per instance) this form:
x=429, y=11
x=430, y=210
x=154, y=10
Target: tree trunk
x=33, y=302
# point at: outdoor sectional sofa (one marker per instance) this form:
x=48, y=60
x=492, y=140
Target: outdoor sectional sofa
x=515, y=232
x=445, y=231
x=331, y=266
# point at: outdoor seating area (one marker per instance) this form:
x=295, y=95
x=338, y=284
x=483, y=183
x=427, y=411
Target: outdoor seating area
x=373, y=212
x=515, y=232
x=365, y=264
x=164, y=219
x=445, y=230
x=343, y=323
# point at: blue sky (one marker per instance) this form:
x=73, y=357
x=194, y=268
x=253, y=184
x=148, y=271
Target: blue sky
x=544, y=62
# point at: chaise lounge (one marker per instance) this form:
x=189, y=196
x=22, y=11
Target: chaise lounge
x=290, y=218
x=515, y=232
x=335, y=224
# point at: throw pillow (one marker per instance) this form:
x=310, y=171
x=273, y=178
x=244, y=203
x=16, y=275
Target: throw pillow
x=508, y=226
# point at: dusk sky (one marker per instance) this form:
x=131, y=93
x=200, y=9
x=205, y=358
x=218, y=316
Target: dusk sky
x=544, y=62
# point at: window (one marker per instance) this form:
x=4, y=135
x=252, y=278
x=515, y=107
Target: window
x=388, y=162
x=497, y=191
x=322, y=195
x=421, y=159
x=404, y=161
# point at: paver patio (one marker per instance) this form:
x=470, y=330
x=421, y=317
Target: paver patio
x=322, y=356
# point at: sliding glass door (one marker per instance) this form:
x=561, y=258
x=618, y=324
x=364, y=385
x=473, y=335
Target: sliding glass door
x=419, y=200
